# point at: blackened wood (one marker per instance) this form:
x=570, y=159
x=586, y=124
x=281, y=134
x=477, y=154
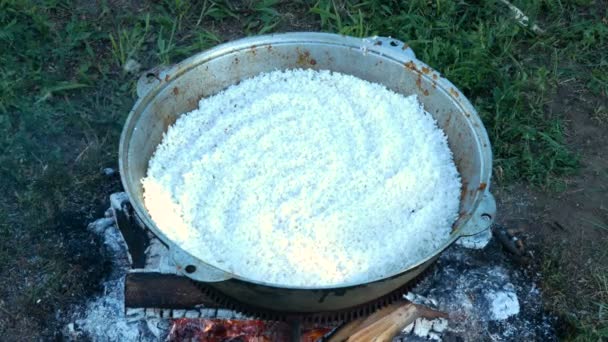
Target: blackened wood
x=165, y=291
x=135, y=235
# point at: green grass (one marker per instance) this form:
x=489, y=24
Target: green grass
x=126, y=44
x=64, y=95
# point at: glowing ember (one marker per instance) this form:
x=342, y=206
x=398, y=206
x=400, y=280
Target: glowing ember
x=218, y=330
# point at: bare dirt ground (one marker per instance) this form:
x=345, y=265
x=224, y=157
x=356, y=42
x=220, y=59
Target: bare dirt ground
x=567, y=231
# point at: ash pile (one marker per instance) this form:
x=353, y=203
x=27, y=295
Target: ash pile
x=485, y=294
x=487, y=298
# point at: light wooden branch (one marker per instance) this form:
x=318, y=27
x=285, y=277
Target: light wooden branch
x=385, y=323
x=521, y=18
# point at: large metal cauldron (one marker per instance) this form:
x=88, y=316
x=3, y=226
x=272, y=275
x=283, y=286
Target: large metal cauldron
x=177, y=89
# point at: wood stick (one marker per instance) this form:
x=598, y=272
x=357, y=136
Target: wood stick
x=385, y=323
x=381, y=313
x=506, y=241
x=344, y=332
x=388, y=327
x=429, y=313
x=521, y=18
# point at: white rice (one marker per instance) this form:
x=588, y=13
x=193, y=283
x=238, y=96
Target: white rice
x=305, y=178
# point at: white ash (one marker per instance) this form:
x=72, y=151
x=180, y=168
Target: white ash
x=103, y=317
x=427, y=328
x=485, y=297
x=504, y=303
x=305, y=178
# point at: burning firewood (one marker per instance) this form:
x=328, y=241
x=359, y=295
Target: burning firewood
x=380, y=326
x=217, y=330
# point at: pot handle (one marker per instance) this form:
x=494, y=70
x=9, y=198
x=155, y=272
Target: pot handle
x=151, y=78
x=196, y=270
x=388, y=46
x=482, y=218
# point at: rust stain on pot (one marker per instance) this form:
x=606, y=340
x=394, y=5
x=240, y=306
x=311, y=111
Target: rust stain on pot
x=454, y=92
x=304, y=58
x=462, y=216
x=167, y=77
x=482, y=186
x=169, y=120
x=458, y=221
x=447, y=121
x=425, y=92
x=435, y=76
x=426, y=70
x=175, y=91
x=463, y=190
x=252, y=49
x=410, y=65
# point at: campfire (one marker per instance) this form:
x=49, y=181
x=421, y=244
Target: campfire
x=470, y=294
x=382, y=325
